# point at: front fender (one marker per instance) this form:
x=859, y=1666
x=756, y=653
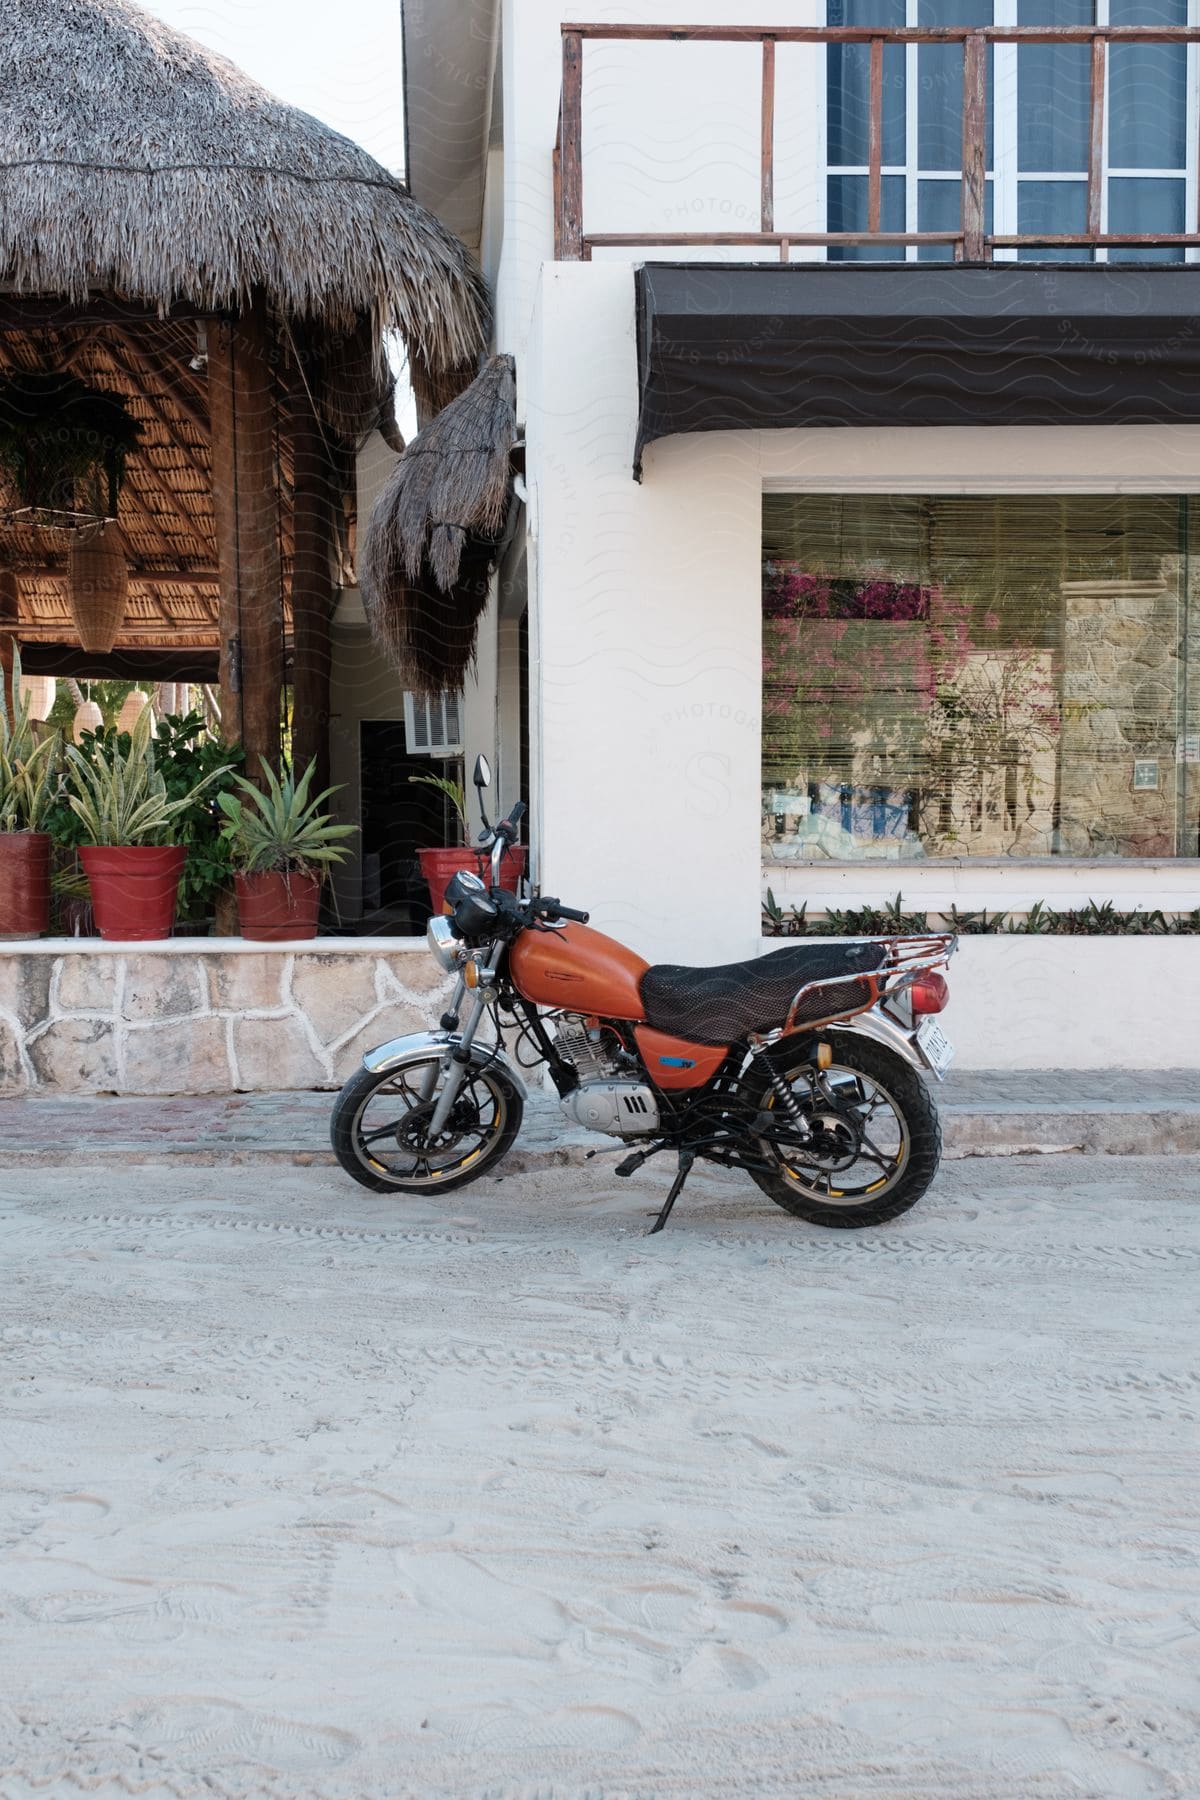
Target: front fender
x=416, y=1046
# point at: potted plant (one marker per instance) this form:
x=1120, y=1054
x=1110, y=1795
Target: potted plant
x=284, y=844
x=63, y=444
x=120, y=799
x=437, y=866
x=30, y=776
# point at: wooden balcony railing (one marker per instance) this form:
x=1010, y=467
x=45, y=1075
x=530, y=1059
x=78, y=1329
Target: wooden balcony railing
x=971, y=242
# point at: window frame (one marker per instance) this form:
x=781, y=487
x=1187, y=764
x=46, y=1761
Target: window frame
x=1003, y=175
x=1068, y=873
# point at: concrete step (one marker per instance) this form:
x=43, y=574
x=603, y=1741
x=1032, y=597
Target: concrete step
x=1110, y=1113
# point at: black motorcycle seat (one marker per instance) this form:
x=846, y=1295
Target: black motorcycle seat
x=723, y=1005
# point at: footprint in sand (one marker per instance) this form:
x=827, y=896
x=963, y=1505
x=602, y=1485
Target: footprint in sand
x=715, y=1668
x=688, y=1637
x=685, y=1613
x=217, y=1732
x=500, y=1729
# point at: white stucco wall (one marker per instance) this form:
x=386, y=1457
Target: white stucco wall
x=646, y=638
x=644, y=643
x=645, y=628
x=1075, y=1003
x=671, y=134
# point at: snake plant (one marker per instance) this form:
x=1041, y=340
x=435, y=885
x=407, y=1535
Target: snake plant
x=30, y=772
x=119, y=796
x=282, y=829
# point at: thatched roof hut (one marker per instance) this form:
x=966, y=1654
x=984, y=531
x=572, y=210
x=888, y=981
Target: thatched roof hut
x=132, y=160
x=227, y=267
x=432, y=540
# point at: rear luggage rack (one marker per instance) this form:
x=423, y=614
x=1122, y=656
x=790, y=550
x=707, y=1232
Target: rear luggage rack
x=834, y=998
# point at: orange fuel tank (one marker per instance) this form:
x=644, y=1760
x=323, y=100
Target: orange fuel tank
x=579, y=970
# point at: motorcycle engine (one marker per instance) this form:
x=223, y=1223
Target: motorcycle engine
x=607, y=1099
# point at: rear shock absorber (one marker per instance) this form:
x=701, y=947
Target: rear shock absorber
x=787, y=1099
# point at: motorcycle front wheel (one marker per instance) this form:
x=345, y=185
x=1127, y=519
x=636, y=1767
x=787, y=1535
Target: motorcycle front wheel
x=380, y=1127
x=874, y=1140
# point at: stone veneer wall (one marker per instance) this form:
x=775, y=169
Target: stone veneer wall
x=1121, y=682
x=200, y=1021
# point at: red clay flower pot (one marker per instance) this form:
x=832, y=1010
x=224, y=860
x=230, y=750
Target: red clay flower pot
x=437, y=866
x=24, y=883
x=273, y=906
x=134, y=888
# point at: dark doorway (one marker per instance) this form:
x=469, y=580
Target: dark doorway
x=399, y=817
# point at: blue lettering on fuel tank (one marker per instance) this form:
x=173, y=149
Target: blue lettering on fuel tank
x=676, y=1062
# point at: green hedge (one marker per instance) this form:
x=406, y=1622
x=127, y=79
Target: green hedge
x=1099, y=918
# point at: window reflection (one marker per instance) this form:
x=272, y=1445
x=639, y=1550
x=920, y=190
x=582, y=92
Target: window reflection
x=949, y=676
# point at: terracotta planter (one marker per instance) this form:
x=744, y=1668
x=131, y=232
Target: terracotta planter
x=134, y=888
x=437, y=866
x=274, y=906
x=24, y=883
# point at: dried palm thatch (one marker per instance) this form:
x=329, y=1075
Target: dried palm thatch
x=431, y=542
x=353, y=393
x=113, y=126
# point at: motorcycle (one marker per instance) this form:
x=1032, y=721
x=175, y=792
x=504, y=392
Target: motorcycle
x=803, y=1067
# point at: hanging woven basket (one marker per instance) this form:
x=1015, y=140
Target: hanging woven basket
x=133, y=706
x=99, y=587
x=88, y=717
x=40, y=691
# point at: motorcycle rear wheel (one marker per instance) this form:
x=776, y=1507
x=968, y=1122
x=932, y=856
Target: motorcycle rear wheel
x=879, y=1144
x=377, y=1136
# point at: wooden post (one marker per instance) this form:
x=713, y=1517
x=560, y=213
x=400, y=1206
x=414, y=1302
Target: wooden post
x=767, y=151
x=10, y=612
x=1095, y=187
x=974, y=146
x=875, y=138
x=557, y=172
x=246, y=509
x=571, y=175
x=316, y=501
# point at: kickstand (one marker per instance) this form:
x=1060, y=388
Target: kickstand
x=686, y=1159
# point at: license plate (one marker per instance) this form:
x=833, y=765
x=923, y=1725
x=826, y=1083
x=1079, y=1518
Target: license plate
x=935, y=1046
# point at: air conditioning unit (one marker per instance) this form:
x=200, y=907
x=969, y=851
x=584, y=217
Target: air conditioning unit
x=433, y=724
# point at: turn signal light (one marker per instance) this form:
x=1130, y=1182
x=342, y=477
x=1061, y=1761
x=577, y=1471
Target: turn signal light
x=929, y=993
x=471, y=973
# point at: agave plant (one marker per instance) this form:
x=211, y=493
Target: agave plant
x=119, y=796
x=282, y=829
x=30, y=772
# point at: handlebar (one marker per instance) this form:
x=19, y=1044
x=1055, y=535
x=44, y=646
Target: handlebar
x=506, y=829
x=549, y=908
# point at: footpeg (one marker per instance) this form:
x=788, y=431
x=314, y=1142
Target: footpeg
x=633, y=1163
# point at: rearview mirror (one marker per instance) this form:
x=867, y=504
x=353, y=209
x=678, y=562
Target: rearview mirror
x=483, y=772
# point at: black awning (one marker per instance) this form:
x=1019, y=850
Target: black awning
x=725, y=347
x=137, y=664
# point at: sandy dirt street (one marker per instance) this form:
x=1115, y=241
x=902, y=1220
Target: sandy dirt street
x=305, y=1492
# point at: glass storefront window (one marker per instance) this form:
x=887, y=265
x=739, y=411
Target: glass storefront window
x=992, y=676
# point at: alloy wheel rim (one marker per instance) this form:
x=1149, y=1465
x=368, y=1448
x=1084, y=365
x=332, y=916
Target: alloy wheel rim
x=388, y=1146
x=821, y=1179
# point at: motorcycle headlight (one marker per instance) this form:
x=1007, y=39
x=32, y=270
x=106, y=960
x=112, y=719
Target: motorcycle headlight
x=442, y=943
